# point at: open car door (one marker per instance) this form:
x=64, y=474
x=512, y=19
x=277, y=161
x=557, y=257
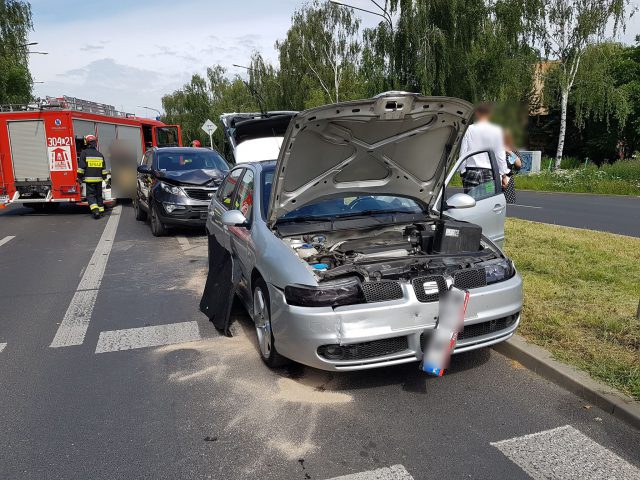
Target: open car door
x=167, y=136
x=490, y=209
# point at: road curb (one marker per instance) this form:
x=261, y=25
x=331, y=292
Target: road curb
x=540, y=361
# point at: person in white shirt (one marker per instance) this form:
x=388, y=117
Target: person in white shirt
x=483, y=135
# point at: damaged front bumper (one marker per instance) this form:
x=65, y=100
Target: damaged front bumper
x=358, y=337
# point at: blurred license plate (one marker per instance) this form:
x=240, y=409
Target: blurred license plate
x=4, y=198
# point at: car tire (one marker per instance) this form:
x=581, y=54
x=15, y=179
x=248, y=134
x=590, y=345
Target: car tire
x=262, y=319
x=141, y=215
x=157, y=228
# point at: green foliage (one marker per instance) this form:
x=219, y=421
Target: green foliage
x=15, y=24
x=322, y=45
x=621, y=178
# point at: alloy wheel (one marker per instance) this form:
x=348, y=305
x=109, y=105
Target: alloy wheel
x=262, y=321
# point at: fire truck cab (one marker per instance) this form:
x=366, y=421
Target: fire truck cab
x=40, y=145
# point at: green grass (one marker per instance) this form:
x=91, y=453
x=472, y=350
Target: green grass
x=581, y=292
x=621, y=178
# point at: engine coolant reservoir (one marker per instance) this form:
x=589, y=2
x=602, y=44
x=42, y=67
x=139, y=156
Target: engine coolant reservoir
x=306, y=250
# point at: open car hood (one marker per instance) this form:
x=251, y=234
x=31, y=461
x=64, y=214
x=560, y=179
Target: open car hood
x=200, y=177
x=261, y=134
x=394, y=144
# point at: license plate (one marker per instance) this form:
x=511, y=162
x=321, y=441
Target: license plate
x=4, y=199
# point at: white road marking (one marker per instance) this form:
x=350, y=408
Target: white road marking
x=518, y=205
x=76, y=321
x=395, y=472
x=128, y=339
x=7, y=239
x=565, y=453
x=2, y=346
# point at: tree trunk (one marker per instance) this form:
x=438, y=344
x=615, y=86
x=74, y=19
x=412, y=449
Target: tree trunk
x=563, y=126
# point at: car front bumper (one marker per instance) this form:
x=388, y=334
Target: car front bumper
x=192, y=214
x=392, y=332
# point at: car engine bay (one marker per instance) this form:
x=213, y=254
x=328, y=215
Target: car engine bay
x=394, y=252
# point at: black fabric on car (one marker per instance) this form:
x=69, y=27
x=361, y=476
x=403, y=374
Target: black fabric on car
x=220, y=289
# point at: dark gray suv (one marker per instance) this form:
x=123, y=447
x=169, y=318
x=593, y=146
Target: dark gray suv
x=175, y=185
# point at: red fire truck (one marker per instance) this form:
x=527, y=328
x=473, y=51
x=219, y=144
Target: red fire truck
x=40, y=144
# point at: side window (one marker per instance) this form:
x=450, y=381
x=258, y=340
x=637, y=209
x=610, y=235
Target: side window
x=225, y=192
x=478, y=176
x=243, y=200
x=146, y=159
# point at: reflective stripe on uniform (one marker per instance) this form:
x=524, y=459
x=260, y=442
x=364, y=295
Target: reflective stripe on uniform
x=101, y=209
x=92, y=179
x=80, y=170
x=93, y=206
x=105, y=172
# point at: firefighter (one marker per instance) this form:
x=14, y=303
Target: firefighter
x=93, y=170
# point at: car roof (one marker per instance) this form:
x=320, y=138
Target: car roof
x=183, y=149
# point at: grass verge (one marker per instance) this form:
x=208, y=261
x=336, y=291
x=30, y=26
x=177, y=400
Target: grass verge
x=621, y=178
x=581, y=292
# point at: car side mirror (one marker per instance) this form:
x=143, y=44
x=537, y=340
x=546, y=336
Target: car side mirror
x=143, y=169
x=460, y=200
x=234, y=218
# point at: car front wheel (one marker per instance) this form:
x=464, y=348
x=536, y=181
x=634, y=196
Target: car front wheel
x=157, y=228
x=262, y=319
x=140, y=214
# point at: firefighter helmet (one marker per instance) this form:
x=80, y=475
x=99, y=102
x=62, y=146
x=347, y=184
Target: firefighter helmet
x=90, y=138
x=196, y=144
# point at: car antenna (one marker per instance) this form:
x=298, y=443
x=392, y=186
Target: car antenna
x=254, y=93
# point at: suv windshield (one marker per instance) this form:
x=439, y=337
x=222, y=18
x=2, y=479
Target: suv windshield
x=191, y=160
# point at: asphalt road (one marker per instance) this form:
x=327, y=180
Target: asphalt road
x=608, y=213
x=209, y=408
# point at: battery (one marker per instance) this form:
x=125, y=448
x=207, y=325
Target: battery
x=452, y=236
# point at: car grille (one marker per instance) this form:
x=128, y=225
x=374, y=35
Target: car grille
x=200, y=193
x=381, y=291
x=418, y=288
x=470, y=278
x=484, y=328
x=364, y=350
x=479, y=329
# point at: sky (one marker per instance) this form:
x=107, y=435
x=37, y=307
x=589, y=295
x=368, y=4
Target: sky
x=129, y=53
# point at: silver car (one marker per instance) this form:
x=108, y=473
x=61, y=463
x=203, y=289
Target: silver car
x=342, y=246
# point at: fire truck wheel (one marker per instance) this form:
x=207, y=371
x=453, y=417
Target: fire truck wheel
x=157, y=228
x=140, y=214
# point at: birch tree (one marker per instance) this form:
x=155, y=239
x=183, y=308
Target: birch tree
x=322, y=43
x=565, y=29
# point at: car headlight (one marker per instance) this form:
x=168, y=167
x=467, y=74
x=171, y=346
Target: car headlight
x=328, y=294
x=172, y=189
x=499, y=271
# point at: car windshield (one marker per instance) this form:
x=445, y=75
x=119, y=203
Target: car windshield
x=191, y=160
x=342, y=207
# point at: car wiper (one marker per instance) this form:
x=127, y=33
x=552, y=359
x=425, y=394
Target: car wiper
x=366, y=213
x=305, y=219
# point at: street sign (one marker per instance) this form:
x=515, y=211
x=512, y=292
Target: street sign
x=209, y=127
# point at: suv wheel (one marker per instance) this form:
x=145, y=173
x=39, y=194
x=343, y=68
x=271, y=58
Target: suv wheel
x=262, y=319
x=157, y=228
x=140, y=214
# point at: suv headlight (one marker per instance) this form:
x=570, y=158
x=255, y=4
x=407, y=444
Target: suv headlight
x=499, y=271
x=328, y=294
x=172, y=189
